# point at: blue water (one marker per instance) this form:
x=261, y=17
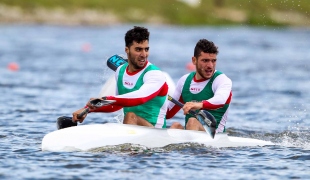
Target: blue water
x=60, y=68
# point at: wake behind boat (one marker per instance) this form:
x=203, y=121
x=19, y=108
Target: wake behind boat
x=87, y=137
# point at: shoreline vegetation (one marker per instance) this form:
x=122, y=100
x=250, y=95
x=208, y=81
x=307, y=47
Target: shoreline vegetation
x=171, y=12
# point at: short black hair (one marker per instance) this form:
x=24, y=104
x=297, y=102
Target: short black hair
x=138, y=34
x=205, y=46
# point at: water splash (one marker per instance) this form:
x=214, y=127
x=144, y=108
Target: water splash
x=119, y=118
x=288, y=138
x=299, y=139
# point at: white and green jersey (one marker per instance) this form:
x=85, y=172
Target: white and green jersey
x=215, y=93
x=144, y=93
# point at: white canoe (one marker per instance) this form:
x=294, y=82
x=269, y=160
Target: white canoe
x=86, y=137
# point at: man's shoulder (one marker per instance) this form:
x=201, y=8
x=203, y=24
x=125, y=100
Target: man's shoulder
x=182, y=80
x=186, y=75
x=153, y=71
x=222, y=77
x=217, y=72
x=151, y=66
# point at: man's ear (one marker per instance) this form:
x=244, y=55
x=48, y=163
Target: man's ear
x=126, y=50
x=194, y=60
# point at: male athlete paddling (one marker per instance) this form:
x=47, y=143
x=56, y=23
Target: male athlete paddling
x=204, y=89
x=141, y=87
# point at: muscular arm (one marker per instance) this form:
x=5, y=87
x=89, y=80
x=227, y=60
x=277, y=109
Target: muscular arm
x=221, y=87
x=154, y=85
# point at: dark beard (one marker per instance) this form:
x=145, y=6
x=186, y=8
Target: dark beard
x=199, y=71
x=133, y=63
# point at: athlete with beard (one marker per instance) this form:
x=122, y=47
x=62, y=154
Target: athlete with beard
x=141, y=87
x=206, y=88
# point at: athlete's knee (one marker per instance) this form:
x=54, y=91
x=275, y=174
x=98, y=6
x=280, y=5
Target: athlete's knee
x=130, y=115
x=130, y=118
x=192, y=124
x=191, y=121
x=176, y=125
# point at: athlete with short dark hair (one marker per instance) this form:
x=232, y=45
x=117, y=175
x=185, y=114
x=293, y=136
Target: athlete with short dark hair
x=141, y=86
x=206, y=88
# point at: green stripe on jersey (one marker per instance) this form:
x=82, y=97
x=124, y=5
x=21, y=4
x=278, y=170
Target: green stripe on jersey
x=149, y=110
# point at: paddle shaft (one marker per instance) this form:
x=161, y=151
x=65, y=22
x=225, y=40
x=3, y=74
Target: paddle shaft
x=180, y=104
x=64, y=121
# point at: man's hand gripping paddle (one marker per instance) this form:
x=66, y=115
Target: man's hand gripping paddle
x=65, y=121
x=204, y=117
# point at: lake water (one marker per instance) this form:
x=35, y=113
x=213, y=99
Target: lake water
x=60, y=68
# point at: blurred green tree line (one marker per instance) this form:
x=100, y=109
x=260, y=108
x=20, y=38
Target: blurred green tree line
x=177, y=12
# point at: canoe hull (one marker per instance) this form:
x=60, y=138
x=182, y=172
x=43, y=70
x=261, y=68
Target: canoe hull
x=86, y=137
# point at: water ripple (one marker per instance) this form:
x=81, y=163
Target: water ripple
x=270, y=102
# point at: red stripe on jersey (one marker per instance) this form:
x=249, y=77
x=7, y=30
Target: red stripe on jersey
x=208, y=105
x=229, y=98
x=108, y=108
x=128, y=102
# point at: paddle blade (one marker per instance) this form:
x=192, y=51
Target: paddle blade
x=65, y=122
x=208, y=121
x=115, y=61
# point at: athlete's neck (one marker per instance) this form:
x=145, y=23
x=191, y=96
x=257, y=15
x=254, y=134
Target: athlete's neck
x=130, y=70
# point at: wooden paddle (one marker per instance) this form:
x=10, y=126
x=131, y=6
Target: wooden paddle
x=204, y=117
